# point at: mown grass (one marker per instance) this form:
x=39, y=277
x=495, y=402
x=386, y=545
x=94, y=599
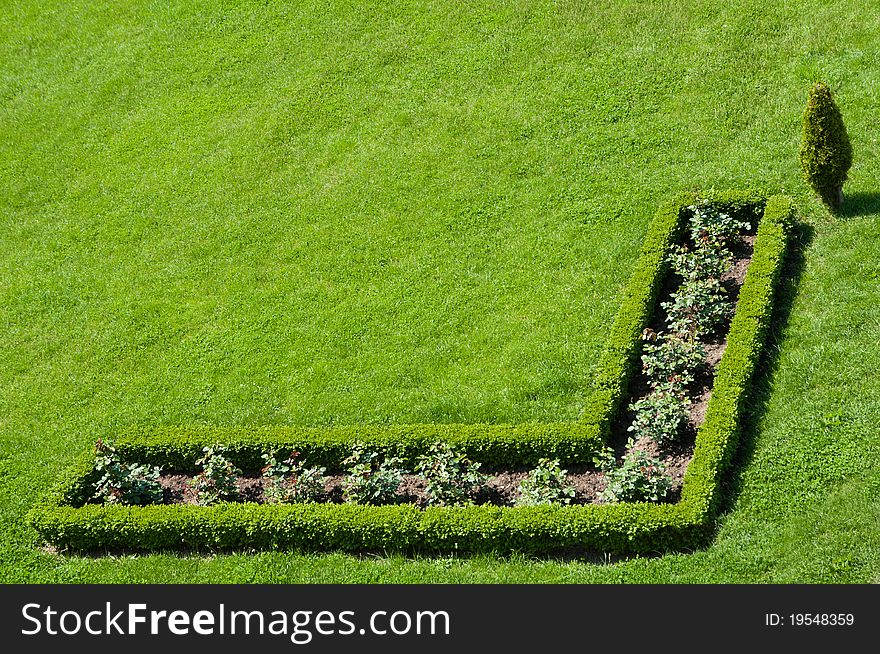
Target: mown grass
x=251, y=213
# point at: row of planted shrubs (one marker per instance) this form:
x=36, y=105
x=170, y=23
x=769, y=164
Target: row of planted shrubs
x=449, y=477
x=672, y=359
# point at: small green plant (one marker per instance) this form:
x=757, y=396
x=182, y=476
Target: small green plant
x=451, y=478
x=826, y=153
x=289, y=481
x=670, y=361
x=692, y=263
x=546, y=484
x=698, y=307
x=639, y=477
x=660, y=416
x=124, y=483
x=371, y=480
x=713, y=229
x=217, y=481
x=701, y=305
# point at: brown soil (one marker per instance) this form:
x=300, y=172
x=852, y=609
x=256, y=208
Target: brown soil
x=501, y=487
x=176, y=489
x=587, y=481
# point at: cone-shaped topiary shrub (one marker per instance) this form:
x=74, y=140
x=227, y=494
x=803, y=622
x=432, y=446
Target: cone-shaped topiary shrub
x=826, y=153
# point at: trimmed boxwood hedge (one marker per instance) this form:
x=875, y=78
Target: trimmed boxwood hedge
x=64, y=519
x=178, y=448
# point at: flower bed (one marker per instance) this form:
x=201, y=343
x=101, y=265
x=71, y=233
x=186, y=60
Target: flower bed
x=65, y=519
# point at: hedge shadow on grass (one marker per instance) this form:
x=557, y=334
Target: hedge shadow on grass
x=570, y=555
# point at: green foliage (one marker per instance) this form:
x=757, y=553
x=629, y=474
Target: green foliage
x=699, y=262
x=545, y=484
x=698, y=308
x=501, y=445
x=290, y=481
x=359, y=528
x=713, y=231
x=660, y=415
x=124, y=483
x=371, y=479
x=671, y=361
x=826, y=153
x=451, y=477
x=700, y=305
x=639, y=478
x=217, y=480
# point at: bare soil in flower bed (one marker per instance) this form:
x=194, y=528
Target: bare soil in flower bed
x=586, y=479
x=502, y=487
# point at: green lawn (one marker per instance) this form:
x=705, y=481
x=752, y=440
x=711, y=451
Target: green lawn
x=263, y=213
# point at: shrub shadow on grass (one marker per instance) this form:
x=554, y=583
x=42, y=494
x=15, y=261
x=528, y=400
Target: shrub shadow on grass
x=862, y=203
x=759, y=396
x=567, y=555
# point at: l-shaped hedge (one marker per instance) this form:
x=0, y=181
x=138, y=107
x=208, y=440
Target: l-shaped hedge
x=65, y=520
